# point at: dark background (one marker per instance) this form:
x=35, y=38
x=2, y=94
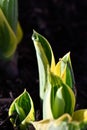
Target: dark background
x=64, y=24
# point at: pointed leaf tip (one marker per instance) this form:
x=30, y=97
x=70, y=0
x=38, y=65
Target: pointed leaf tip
x=35, y=36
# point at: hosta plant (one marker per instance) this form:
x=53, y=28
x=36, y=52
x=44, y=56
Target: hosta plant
x=22, y=109
x=45, y=58
x=56, y=80
x=57, y=94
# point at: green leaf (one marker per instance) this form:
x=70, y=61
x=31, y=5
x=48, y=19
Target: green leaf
x=23, y=110
x=45, y=58
x=68, y=95
x=8, y=40
x=58, y=101
x=59, y=98
x=20, y=112
x=10, y=29
x=64, y=70
x=83, y=125
x=69, y=98
x=10, y=10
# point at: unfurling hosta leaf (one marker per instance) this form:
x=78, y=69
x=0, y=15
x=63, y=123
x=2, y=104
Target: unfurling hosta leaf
x=58, y=99
x=45, y=59
x=64, y=122
x=10, y=29
x=64, y=70
x=22, y=109
x=50, y=124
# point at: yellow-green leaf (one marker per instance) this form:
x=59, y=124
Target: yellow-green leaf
x=8, y=40
x=58, y=99
x=23, y=110
x=49, y=124
x=80, y=115
x=45, y=59
x=65, y=122
x=10, y=10
x=64, y=70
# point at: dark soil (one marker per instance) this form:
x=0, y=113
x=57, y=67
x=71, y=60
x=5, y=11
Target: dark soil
x=64, y=24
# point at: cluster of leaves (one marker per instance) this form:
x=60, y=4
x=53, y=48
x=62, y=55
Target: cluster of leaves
x=56, y=80
x=56, y=93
